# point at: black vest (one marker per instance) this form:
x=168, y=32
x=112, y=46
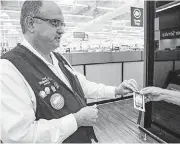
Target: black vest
x=46, y=84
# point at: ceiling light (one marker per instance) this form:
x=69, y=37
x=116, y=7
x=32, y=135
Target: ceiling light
x=7, y=24
x=81, y=5
x=65, y=2
x=9, y=20
x=10, y=11
x=5, y=15
x=168, y=6
x=104, y=29
x=78, y=16
x=11, y=26
x=105, y=8
x=67, y=5
x=9, y=29
x=119, y=21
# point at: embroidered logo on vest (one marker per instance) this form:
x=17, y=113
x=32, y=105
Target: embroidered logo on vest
x=45, y=81
x=57, y=101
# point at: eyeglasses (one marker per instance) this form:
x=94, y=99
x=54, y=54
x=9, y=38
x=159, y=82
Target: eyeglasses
x=54, y=22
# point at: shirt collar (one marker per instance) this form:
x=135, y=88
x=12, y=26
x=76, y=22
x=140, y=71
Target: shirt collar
x=34, y=51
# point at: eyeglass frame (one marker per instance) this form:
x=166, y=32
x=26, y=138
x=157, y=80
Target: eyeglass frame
x=60, y=24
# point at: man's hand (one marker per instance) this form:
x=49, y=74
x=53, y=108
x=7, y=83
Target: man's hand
x=127, y=86
x=86, y=116
x=153, y=93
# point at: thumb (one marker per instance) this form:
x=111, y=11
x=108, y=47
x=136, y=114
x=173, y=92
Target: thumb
x=94, y=106
x=144, y=90
x=141, y=92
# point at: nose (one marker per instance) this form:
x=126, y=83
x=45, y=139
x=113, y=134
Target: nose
x=60, y=30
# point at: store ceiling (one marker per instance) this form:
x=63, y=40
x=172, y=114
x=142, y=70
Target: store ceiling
x=98, y=18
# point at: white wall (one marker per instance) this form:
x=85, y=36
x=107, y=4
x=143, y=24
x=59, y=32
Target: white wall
x=134, y=70
x=108, y=74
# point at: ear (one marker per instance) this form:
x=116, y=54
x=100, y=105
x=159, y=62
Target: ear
x=29, y=23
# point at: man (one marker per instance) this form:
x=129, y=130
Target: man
x=43, y=98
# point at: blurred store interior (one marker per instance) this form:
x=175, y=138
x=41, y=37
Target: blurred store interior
x=91, y=25
x=101, y=42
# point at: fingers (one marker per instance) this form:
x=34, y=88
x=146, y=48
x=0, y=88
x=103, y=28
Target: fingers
x=94, y=120
x=146, y=91
x=95, y=110
x=87, y=116
x=147, y=99
x=129, y=86
x=95, y=106
x=134, y=84
x=95, y=116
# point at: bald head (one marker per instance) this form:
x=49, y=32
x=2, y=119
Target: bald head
x=50, y=9
x=38, y=8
